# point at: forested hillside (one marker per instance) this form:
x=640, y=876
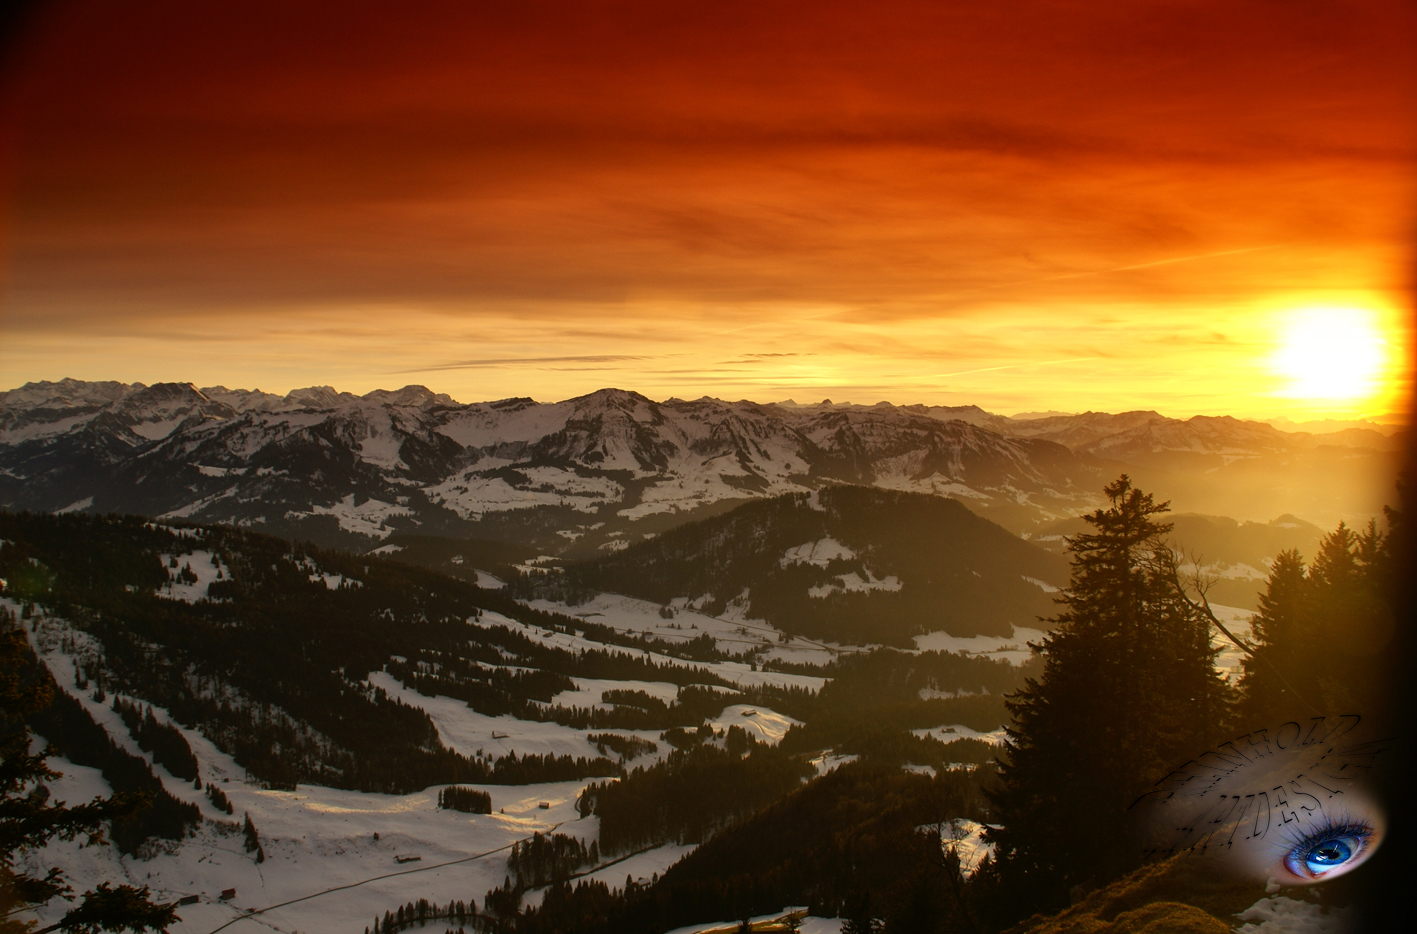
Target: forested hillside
x=267, y=646
x=863, y=843
x=848, y=563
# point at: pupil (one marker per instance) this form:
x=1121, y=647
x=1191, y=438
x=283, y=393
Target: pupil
x=1334, y=852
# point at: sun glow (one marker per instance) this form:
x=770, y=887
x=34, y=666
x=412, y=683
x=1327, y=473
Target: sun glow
x=1336, y=354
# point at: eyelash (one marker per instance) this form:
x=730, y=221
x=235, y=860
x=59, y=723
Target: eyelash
x=1300, y=846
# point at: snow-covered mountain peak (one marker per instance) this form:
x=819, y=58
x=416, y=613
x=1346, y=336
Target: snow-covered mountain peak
x=66, y=393
x=316, y=397
x=322, y=463
x=154, y=412
x=414, y=396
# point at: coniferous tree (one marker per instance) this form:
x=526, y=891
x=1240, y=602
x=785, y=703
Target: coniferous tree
x=28, y=819
x=1277, y=630
x=1320, y=630
x=1128, y=690
x=253, y=840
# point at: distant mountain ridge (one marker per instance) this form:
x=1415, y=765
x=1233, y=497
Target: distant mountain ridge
x=585, y=475
x=848, y=564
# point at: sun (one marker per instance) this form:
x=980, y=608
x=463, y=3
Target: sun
x=1338, y=354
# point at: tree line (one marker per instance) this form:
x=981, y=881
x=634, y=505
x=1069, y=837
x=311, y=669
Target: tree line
x=691, y=794
x=467, y=800
x=166, y=743
x=71, y=730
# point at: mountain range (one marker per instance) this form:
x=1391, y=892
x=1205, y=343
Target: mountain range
x=593, y=474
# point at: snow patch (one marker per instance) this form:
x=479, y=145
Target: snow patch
x=964, y=838
x=464, y=730
x=471, y=494
x=488, y=582
x=588, y=690
x=820, y=553
x=1013, y=649
x=206, y=471
x=642, y=867
x=368, y=518
x=334, y=581
x=948, y=734
x=206, y=566
x=957, y=489
x=156, y=431
x=853, y=583
x=764, y=725
x=830, y=761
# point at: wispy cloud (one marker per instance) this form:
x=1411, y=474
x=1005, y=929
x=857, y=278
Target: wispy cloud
x=492, y=362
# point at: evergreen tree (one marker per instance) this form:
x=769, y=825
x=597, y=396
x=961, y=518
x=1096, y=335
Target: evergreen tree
x=253, y=840
x=28, y=819
x=1320, y=631
x=1277, y=630
x=861, y=918
x=1128, y=690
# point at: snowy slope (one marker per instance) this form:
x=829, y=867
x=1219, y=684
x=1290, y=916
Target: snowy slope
x=325, y=871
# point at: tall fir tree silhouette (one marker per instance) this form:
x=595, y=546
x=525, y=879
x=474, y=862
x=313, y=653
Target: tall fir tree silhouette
x=1129, y=690
x=1321, y=631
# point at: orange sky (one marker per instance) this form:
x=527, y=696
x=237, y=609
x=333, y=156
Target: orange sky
x=1027, y=205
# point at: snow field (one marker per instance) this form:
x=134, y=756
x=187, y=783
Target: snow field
x=488, y=582
x=762, y=724
x=314, y=838
x=852, y=582
x=1014, y=649
x=734, y=631
x=948, y=734
x=738, y=673
x=471, y=496
x=469, y=733
x=466, y=731
x=641, y=867
x=203, y=563
x=1041, y=585
x=820, y=553
x=588, y=690
x=368, y=518
x=828, y=761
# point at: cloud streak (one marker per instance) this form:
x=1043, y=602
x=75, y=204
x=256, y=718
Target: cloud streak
x=577, y=190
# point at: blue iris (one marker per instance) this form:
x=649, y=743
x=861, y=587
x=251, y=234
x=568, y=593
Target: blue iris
x=1327, y=849
x=1330, y=853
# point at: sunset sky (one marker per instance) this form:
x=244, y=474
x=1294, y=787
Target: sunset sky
x=1197, y=207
